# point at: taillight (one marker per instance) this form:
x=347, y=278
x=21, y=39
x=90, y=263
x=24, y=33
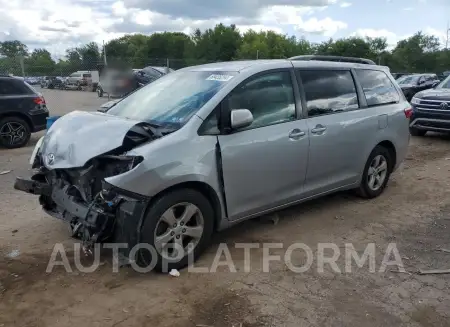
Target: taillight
x=408, y=112
x=39, y=100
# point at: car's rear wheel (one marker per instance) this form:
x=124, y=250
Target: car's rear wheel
x=417, y=132
x=14, y=132
x=376, y=174
x=178, y=226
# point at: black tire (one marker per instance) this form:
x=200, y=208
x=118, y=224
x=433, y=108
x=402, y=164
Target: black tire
x=99, y=92
x=153, y=214
x=417, y=132
x=364, y=189
x=15, y=121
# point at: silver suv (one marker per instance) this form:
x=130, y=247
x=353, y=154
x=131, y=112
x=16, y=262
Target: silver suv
x=209, y=146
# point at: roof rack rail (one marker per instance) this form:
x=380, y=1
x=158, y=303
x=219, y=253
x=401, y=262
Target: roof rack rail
x=334, y=58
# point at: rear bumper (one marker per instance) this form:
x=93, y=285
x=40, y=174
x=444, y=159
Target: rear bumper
x=39, y=121
x=117, y=219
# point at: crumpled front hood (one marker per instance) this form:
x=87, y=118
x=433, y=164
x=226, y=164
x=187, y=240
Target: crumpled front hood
x=79, y=136
x=435, y=94
x=406, y=86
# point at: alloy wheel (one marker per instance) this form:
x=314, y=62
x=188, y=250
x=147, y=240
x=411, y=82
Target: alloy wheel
x=12, y=133
x=180, y=227
x=377, y=172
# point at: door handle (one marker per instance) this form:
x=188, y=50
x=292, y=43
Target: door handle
x=295, y=134
x=319, y=129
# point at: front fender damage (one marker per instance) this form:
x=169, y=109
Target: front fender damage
x=96, y=211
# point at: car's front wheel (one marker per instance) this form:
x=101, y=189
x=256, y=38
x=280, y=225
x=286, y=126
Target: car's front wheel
x=376, y=174
x=178, y=227
x=14, y=132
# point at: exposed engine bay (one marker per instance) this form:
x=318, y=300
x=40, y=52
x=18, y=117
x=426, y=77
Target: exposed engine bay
x=95, y=210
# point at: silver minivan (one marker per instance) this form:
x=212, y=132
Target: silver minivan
x=209, y=146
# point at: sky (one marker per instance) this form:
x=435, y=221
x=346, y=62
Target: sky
x=60, y=24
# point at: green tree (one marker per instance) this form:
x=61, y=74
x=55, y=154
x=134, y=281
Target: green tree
x=40, y=62
x=13, y=49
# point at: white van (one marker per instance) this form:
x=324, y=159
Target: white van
x=89, y=78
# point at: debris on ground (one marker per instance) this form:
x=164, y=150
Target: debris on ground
x=174, y=273
x=434, y=271
x=5, y=172
x=444, y=250
x=400, y=272
x=14, y=231
x=13, y=254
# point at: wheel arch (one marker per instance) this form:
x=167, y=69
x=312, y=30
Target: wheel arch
x=18, y=115
x=392, y=151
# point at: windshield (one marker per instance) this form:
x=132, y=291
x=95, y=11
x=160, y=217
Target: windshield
x=445, y=84
x=411, y=79
x=173, y=98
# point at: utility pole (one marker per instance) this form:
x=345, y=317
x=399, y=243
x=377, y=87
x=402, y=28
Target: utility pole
x=257, y=54
x=22, y=66
x=104, y=53
x=447, y=33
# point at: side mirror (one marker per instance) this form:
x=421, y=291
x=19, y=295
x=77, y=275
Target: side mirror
x=435, y=84
x=241, y=118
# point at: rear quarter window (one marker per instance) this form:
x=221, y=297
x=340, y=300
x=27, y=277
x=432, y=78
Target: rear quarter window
x=378, y=88
x=14, y=87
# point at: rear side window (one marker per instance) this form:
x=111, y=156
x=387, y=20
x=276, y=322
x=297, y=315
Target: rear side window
x=377, y=87
x=13, y=87
x=86, y=75
x=328, y=91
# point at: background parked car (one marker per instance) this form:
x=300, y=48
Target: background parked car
x=411, y=84
x=150, y=74
x=22, y=111
x=32, y=80
x=53, y=82
x=398, y=75
x=81, y=78
x=120, y=82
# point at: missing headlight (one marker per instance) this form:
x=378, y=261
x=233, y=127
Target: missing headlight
x=115, y=165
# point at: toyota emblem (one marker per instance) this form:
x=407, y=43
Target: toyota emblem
x=50, y=158
x=444, y=105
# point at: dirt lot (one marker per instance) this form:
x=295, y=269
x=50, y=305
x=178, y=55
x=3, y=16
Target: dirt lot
x=414, y=213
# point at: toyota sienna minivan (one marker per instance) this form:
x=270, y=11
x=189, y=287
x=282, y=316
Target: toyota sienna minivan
x=209, y=146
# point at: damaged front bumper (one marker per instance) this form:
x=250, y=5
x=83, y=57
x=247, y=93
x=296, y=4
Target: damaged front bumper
x=114, y=215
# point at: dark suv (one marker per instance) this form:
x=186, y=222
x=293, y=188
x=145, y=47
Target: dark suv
x=22, y=111
x=431, y=110
x=411, y=84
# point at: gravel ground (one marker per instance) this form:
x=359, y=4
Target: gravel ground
x=413, y=213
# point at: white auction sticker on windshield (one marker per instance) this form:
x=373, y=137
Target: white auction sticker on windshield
x=220, y=78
